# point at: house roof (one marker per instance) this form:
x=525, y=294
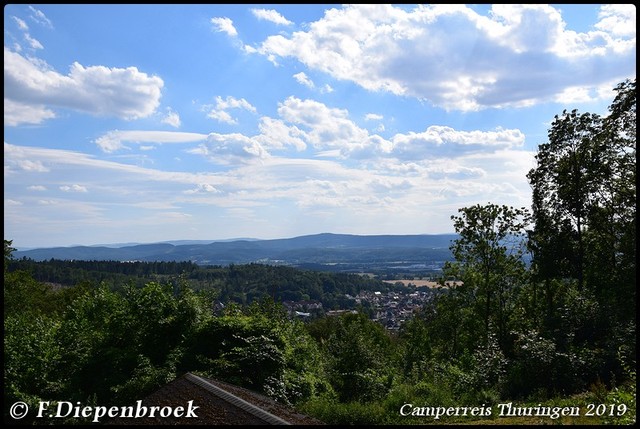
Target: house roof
x=218, y=403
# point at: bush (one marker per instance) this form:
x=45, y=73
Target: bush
x=350, y=413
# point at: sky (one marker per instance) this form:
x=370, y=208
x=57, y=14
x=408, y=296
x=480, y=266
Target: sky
x=149, y=123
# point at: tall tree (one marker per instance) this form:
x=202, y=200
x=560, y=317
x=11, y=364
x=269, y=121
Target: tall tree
x=583, y=241
x=489, y=261
x=564, y=185
x=613, y=218
x=584, y=198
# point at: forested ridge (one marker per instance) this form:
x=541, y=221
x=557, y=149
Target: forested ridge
x=242, y=284
x=544, y=314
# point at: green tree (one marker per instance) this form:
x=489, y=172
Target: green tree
x=260, y=348
x=583, y=240
x=489, y=260
x=360, y=353
x=584, y=199
x=8, y=251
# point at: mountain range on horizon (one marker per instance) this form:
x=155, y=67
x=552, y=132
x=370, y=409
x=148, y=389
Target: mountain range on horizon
x=322, y=249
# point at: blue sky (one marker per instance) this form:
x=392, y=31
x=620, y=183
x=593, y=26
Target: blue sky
x=147, y=123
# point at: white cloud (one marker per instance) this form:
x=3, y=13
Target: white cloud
x=32, y=42
x=39, y=17
x=35, y=44
x=517, y=55
x=16, y=113
x=21, y=24
x=224, y=25
x=97, y=170
x=201, y=188
x=618, y=20
x=441, y=141
x=233, y=103
x=304, y=124
x=73, y=188
x=271, y=15
x=29, y=165
x=98, y=90
x=230, y=149
x=373, y=117
x=222, y=116
x=327, y=127
x=113, y=140
x=172, y=118
x=275, y=134
x=303, y=79
x=37, y=188
x=219, y=112
x=330, y=131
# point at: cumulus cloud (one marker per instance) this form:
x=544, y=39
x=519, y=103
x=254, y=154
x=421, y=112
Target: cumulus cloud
x=332, y=133
x=618, y=19
x=16, y=113
x=327, y=88
x=33, y=88
x=230, y=149
x=327, y=127
x=441, y=141
x=270, y=15
x=172, y=118
x=303, y=79
x=224, y=25
x=219, y=111
x=482, y=64
x=329, y=131
x=276, y=134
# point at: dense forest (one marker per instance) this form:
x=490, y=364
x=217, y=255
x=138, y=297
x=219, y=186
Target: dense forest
x=241, y=284
x=544, y=315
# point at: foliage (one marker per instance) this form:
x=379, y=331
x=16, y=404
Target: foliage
x=259, y=347
x=243, y=284
x=490, y=263
x=8, y=251
x=346, y=413
x=31, y=353
x=360, y=356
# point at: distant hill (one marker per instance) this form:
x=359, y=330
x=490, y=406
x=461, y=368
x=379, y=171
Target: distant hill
x=347, y=251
